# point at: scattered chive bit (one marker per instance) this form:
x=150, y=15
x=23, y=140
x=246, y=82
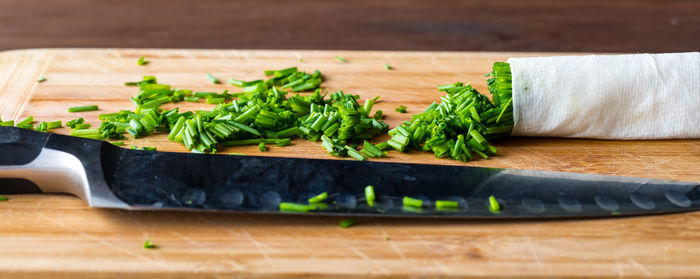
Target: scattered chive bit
x=8, y=123
x=82, y=126
x=148, y=148
x=408, y=201
x=319, y=198
x=340, y=59
x=296, y=207
x=494, y=206
x=191, y=99
x=71, y=124
x=42, y=127
x=149, y=245
x=41, y=79
x=346, y=223
x=83, y=108
x=387, y=238
x=55, y=124
x=401, y=109
x=213, y=79
x=131, y=83
x=26, y=123
x=142, y=61
x=4, y=198
x=261, y=147
x=237, y=154
x=388, y=67
x=301, y=60
x=369, y=195
x=440, y=205
x=117, y=143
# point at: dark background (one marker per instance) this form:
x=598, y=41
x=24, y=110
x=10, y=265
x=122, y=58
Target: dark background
x=518, y=25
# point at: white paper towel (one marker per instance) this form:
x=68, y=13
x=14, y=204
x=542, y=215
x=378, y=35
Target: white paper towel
x=633, y=96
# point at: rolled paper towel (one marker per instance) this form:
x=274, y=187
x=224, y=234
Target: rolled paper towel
x=633, y=96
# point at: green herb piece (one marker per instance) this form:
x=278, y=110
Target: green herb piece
x=494, y=206
x=55, y=124
x=262, y=147
x=238, y=154
x=147, y=148
x=386, y=66
x=191, y=99
x=142, y=61
x=87, y=133
x=27, y=121
x=41, y=79
x=296, y=207
x=346, y=223
x=401, y=109
x=131, y=83
x=83, y=108
x=81, y=126
x=440, y=205
x=149, y=245
x=71, y=124
x=215, y=100
x=283, y=142
x=117, y=143
x=369, y=195
x=3, y=198
x=213, y=79
x=355, y=154
x=42, y=127
x=340, y=59
x=408, y=201
x=319, y=198
x=8, y=123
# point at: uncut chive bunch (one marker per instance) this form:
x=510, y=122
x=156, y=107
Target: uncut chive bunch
x=462, y=124
x=261, y=114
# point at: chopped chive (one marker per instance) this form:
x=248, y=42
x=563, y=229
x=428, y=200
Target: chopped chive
x=238, y=154
x=149, y=245
x=283, y=142
x=340, y=59
x=215, y=100
x=81, y=126
x=262, y=147
x=42, y=127
x=369, y=195
x=301, y=60
x=191, y=99
x=41, y=79
x=213, y=79
x=83, y=108
x=131, y=83
x=118, y=143
x=55, y=124
x=494, y=206
x=295, y=207
x=446, y=204
x=346, y=223
x=401, y=109
x=408, y=201
x=504, y=109
x=3, y=198
x=355, y=154
x=147, y=148
x=8, y=123
x=319, y=198
x=26, y=121
x=142, y=61
x=388, y=67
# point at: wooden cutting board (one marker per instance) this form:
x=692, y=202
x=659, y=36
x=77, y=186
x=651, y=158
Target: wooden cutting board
x=57, y=236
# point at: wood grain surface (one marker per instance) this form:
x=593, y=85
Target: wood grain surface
x=57, y=236
x=506, y=25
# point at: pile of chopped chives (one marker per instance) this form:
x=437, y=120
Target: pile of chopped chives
x=459, y=127
x=462, y=124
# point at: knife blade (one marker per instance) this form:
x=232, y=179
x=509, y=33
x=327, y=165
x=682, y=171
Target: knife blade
x=107, y=176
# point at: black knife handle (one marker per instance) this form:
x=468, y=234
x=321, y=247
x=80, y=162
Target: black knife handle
x=19, y=146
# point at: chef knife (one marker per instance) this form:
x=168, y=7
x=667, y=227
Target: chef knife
x=107, y=176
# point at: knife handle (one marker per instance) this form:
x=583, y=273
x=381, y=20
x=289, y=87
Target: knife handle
x=27, y=166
